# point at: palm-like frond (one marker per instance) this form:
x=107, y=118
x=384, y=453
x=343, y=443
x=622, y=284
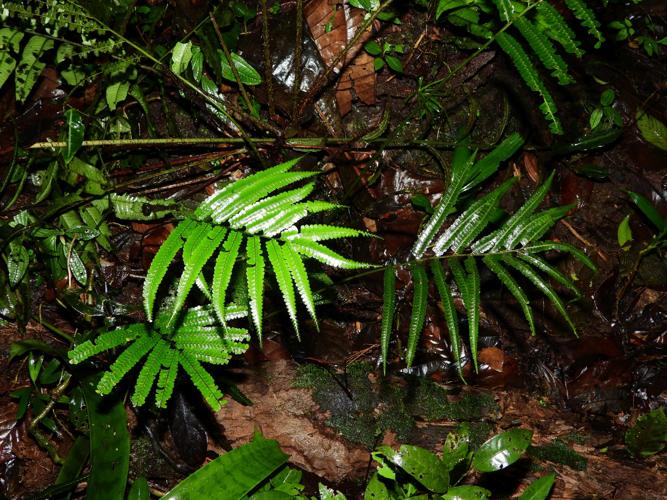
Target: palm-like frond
x=511, y=252
x=249, y=215
x=548, y=25
x=197, y=337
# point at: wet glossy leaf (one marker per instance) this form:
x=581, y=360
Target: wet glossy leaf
x=234, y=474
x=539, y=489
x=502, y=450
x=109, y=445
x=34, y=366
x=116, y=93
x=421, y=464
x=74, y=134
x=180, y=57
x=624, y=233
x=75, y=461
x=466, y=493
x=652, y=129
x=327, y=493
x=17, y=263
x=21, y=347
x=455, y=449
x=247, y=74
x=139, y=490
x=648, y=210
x=649, y=435
x=376, y=489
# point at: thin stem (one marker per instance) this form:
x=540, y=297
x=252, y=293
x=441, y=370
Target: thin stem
x=296, y=88
x=266, y=44
x=230, y=61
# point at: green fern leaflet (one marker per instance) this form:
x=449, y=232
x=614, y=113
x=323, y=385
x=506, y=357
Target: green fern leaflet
x=513, y=252
x=251, y=220
x=196, y=338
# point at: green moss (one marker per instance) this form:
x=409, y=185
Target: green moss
x=558, y=452
x=362, y=410
x=477, y=432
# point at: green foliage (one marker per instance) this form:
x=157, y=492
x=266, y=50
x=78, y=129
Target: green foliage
x=243, y=215
x=538, y=23
x=649, y=434
x=511, y=251
x=414, y=472
x=63, y=26
x=195, y=338
x=560, y=453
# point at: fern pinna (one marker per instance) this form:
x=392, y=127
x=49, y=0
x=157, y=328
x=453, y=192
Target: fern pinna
x=194, y=338
x=512, y=250
x=242, y=225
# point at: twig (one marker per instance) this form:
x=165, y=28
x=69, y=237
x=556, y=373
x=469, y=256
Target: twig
x=268, y=74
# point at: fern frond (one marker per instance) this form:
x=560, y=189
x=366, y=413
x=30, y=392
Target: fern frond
x=161, y=262
x=544, y=50
x=537, y=226
x=541, y=285
x=104, y=342
x=200, y=254
x=271, y=206
x=494, y=264
x=166, y=379
x=325, y=255
x=388, y=311
x=224, y=265
x=255, y=277
x=284, y=280
x=555, y=26
x=418, y=316
x=485, y=167
x=148, y=373
x=231, y=193
x=550, y=271
x=531, y=77
x=300, y=277
x=545, y=246
x=323, y=232
x=472, y=304
x=587, y=19
x=125, y=362
x=471, y=222
x=448, y=309
x=462, y=161
x=202, y=381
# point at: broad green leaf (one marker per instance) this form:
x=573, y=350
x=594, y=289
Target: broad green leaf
x=255, y=276
x=502, y=450
x=373, y=48
x=455, y=449
x=648, y=210
x=539, y=489
x=467, y=493
x=116, y=93
x=418, y=315
x=247, y=74
x=139, y=490
x=376, y=489
x=9, y=41
x=388, y=311
x=624, y=233
x=109, y=445
x=649, y=434
x=17, y=263
x=222, y=274
x=76, y=265
x=652, y=129
x=180, y=57
x=394, y=63
x=74, y=135
x=234, y=474
x=76, y=460
x=30, y=67
x=421, y=464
